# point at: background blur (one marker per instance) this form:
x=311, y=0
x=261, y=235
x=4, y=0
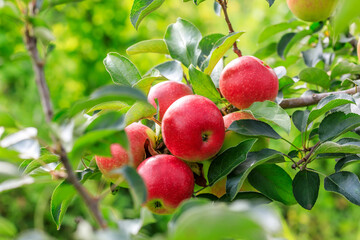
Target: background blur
x=85, y=32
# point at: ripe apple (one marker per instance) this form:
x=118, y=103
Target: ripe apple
x=246, y=80
x=166, y=93
x=137, y=134
x=193, y=128
x=232, y=139
x=168, y=181
x=312, y=11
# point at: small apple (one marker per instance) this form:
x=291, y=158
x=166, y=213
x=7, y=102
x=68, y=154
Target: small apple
x=246, y=80
x=166, y=93
x=232, y=139
x=193, y=128
x=168, y=181
x=312, y=10
x=137, y=134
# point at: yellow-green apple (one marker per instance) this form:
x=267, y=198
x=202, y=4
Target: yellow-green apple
x=168, y=181
x=193, y=128
x=232, y=138
x=166, y=93
x=137, y=134
x=312, y=10
x=246, y=80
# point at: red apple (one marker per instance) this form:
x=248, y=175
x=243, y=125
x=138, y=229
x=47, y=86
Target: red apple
x=193, y=128
x=137, y=134
x=168, y=180
x=166, y=93
x=246, y=80
x=312, y=10
x=232, y=139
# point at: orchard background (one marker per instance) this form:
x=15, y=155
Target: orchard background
x=73, y=39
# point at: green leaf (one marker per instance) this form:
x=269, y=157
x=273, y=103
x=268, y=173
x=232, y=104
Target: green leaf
x=217, y=8
x=237, y=177
x=251, y=127
x=266, y=51
x=344, y=183
x=315, y=76
x=346, y=12
x=306, y=188
x=9, y=155
x=141, y=8
x=60, y=201
x=138, y=111
x=273, y=182
x=113, y=105
x=284, y=41
x=345, y=67
x=223, y=164
x=7, y=229
x=213, y=222
x=182, y=39
x=203, y=85
x=276, y=28
x=314, y=55
x=136, y=184
x=254, y=197
x=219, y=50
x=145, y=84
x=109, y=120
x=294, y=40
x=197, y=2
x=108, y=93
x=285, y=82
x=121, y=69
x=148, y=46
x=332, y=147
x=171, y=70
x=300, y=119
x=336, y=124
x=44, y=159
x=272, y=112
x=345, y=161
x=328, y=103
x=206, y=46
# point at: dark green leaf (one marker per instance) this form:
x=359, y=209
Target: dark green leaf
x=251, y=127
x=60, y=200
x=345, y=67
x=121, y=69
x=141, y=8
x=271, y=112
x=206, y=45
x=273, y=182
x=336, y=124
x=255, y=197
x=271, y=2
x=237, y=177
x=344, y=183
x=148, y=46
x=285, y=82
x=182, y=39
x=300, y=119
x=314, y=55
x=223, y=164
x=306, y=188
x=203, y=85
x=276, y=28
x=109, y=120
x=284, y=41
x=294, y=40
x=136, y=184
x=219, y=50
x=315, y=76
x=107, y=94
x=328, y=103
x=345, y=161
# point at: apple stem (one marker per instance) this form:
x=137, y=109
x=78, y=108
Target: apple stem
x=306, y=158
x=156, y=121
x=38, y=66
x=223, y=4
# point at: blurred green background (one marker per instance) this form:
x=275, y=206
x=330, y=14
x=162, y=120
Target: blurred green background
x=85, y=32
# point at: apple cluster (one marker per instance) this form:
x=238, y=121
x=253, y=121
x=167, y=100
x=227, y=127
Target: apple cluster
x=193, y=129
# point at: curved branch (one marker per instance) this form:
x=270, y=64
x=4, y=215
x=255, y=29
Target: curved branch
x=38, y=66
x=313, y=99
x=223, y=4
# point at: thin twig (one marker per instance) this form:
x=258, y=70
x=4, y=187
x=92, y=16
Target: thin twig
x=38, y=66
x=307, y=157
x=223, y=4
